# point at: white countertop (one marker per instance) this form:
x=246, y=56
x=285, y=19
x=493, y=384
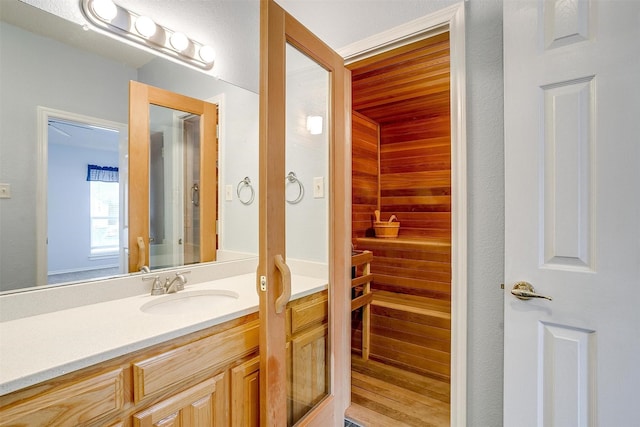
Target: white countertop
x=38, y=348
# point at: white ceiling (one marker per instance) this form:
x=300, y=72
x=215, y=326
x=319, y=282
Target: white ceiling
x=232, y=26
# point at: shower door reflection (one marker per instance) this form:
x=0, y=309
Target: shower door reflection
x=174, y=187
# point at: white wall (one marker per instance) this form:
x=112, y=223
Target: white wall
x=39, y=71
x=340, y=23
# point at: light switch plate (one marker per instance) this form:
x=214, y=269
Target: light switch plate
x=228, y=192
x=5, y=191
x=318, y=187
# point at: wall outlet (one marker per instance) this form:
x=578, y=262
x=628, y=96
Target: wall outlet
x=228, y=192
x=5, y=191
x=318, y=187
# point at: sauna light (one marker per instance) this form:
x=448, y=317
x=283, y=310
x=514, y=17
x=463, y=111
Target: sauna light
x=179, y=41
x=143, y=31
x=314, y=125
x=105, y=9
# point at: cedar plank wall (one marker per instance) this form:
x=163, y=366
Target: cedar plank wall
x=406, y=92
x=364, y=170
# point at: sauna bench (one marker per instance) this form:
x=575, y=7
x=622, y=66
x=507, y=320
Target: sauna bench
x=407, y=243
x=43, y=347
x=410, y=309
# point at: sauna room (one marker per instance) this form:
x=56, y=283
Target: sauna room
x=401, y=234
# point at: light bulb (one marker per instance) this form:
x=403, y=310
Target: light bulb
x=207, y=54
x=145, y=26
x=104, y=9
x=314, y=125
x=179, y=41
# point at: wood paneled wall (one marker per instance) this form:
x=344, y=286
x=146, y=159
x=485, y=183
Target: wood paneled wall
x=415, y=176
x=365, y=173
x=406, y=93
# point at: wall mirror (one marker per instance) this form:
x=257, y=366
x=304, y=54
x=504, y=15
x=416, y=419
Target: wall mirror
x=76, y=99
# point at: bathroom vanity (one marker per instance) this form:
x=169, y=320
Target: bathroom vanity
x=166, y=368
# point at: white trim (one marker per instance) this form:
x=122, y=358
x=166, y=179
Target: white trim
x=418, y=29
x=42, y=157
x=448, y=19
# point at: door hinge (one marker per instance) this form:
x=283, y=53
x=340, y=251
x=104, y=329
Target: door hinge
x=263, y=283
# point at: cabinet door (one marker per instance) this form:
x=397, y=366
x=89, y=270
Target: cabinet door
x=245, y=394
x=204, y=405
x=309, y=374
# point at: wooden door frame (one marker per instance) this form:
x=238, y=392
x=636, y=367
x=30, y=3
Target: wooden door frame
x=450, y=19
x=276, y=29
x=140, y=97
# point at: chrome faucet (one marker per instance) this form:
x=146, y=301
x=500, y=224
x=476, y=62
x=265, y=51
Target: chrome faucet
x=156, y=288
x=175, y=285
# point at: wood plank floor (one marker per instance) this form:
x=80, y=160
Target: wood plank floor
x=385, y=396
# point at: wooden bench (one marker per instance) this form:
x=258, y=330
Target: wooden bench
x=411, y=332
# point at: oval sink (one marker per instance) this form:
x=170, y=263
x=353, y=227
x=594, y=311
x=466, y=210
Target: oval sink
x=185, y=302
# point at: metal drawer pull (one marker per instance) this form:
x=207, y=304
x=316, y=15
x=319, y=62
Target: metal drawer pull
x=524, y=291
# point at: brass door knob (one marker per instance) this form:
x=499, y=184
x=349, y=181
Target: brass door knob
x=525, y=291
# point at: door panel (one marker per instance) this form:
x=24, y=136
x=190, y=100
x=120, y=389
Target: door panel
x=306, y=159
x=571, y=212
x=301, y=77
x=163, y=178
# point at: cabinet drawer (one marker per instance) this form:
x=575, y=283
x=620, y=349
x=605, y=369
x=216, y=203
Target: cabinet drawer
x=76, y=404
x=308, y=313
x=165, y=370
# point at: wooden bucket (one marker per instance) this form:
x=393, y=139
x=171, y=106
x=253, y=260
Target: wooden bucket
x=386, y=230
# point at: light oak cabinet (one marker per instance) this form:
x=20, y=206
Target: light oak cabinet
x=206, y=379
x=245, y=394
x=307, y=338
x=204, y=405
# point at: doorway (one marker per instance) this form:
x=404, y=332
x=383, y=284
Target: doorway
x=81, y=197
x=388, y=193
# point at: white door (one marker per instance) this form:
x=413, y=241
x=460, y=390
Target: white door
x=572, y=219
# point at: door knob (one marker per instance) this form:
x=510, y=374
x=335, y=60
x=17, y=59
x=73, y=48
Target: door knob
x=524, y=291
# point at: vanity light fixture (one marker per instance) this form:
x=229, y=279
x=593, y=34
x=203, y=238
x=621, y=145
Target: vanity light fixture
x=207, y=54
x=145, y=27
x=142, y=30
x=314, y=125
x=105, y=9
x=179, y=41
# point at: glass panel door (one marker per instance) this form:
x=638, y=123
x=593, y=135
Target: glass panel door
x=304, y=226
x=174, y=187
x=307, y=223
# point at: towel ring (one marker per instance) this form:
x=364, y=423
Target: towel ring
x=293, y=178
x=246, y=182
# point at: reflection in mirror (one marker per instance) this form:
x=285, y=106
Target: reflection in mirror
x=42, y=64
x=174, y=168
x=181, y=175
x=307, y=215
x=85, y=167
